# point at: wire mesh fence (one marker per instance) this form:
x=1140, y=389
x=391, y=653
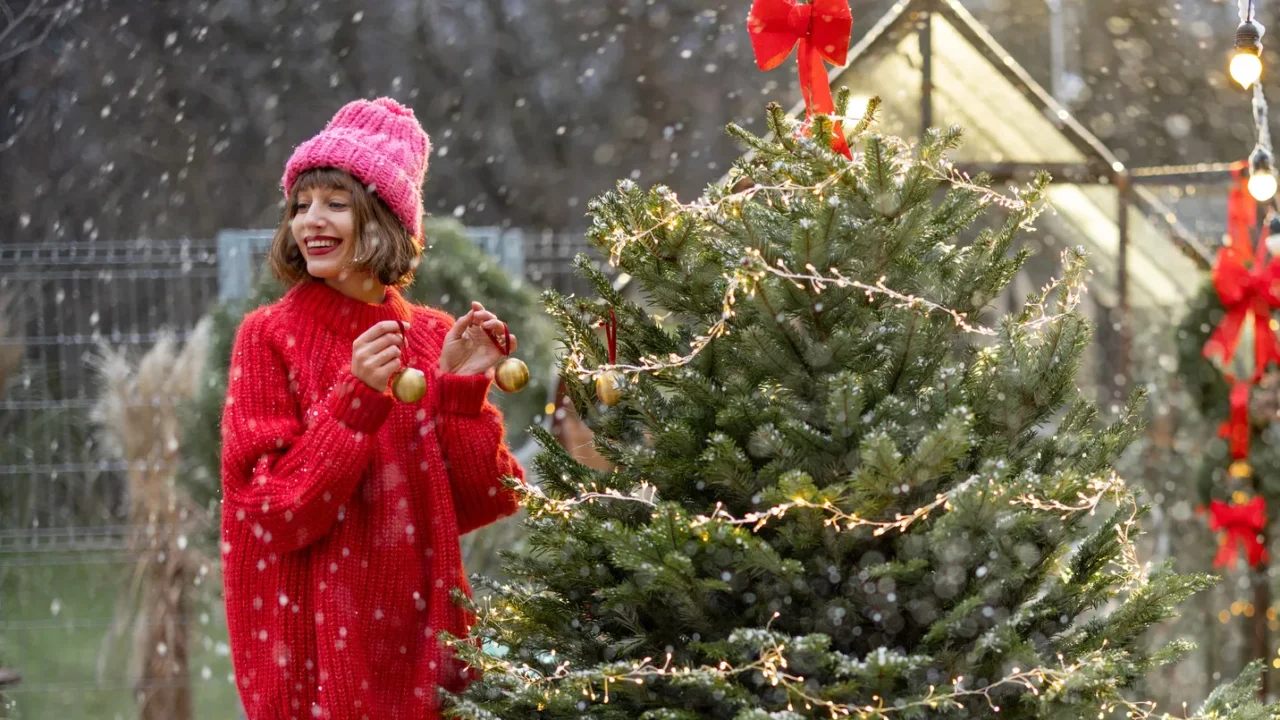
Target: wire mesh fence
x=71, y=298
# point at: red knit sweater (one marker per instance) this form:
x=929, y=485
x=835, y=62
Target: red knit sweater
x=342, y=509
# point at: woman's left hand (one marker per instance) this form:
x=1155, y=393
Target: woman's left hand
x=468, y=348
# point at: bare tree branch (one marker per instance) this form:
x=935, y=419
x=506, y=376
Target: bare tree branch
x=38, y=18
x=16, y=23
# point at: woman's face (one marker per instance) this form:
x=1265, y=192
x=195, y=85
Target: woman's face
x=324, y=226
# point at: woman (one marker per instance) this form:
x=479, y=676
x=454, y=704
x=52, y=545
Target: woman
x=342, y=506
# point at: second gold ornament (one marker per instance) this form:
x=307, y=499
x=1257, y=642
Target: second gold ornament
x=511, y=374
x=609, y=384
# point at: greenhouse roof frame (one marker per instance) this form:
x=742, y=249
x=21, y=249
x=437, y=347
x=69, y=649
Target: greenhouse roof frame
x=1094, y=165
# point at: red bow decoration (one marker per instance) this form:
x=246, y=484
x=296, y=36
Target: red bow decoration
x=1236, y=427
x=1246, y=284
x=822, y=29
x=1242, y=525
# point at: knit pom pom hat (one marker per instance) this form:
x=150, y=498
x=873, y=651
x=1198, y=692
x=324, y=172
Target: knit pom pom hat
x=381, y=143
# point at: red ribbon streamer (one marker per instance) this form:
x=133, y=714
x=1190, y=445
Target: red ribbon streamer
x=1242, y=209
x=1241, y=524
x=404, y=351
x=1236, y=428
x=611, y=334
x=821, y=28
x=1247, y=284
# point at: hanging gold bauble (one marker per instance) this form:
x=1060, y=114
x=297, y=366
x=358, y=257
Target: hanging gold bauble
x=511, y=375
x=609, y=387
x=409, y=385
x=1240, y=469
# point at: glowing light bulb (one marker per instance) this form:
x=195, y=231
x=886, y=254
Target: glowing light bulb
x=1246, y=68
x=1262, y=176
x=1262, y=185
x=1246, y=63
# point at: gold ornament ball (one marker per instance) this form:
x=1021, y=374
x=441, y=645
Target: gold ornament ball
x=1240, y=469
x=511, y=375
x=609, y=387
x=409, y=385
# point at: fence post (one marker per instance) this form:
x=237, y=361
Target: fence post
x=236, y=267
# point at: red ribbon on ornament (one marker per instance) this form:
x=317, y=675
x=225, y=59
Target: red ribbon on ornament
x=1242, y=525
x=611, y=335
x=505, y=346
x=404, y=351
x=821, y=28
x=1248, y=284
x=1236, y=427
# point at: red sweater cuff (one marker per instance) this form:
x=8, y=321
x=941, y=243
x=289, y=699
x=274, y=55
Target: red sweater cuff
x=359, y=406
x=463, y=394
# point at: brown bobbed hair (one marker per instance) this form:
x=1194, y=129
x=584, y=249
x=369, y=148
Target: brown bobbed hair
x=384, y=247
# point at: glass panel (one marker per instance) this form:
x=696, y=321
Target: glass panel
x=1002, y=125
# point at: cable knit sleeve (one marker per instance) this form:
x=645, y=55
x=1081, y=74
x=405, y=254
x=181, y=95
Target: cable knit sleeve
x=470, y=432
x=286, y=477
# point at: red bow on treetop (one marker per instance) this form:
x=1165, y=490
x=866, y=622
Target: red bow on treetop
x=1242, y=524
x=1236, y=427
x=822, y=29
x=1246, y=284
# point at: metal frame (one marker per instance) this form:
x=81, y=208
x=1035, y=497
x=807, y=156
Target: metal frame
x=1102, y=167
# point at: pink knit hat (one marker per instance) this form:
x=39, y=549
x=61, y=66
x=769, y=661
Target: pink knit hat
x=379, y=142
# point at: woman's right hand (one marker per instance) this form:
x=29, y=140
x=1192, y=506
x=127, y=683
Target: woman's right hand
x=375, y=355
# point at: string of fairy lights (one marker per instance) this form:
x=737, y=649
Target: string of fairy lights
x=1246, y=70
x=747, y=276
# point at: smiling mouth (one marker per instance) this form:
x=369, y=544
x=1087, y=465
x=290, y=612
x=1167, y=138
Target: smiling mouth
x=321, y=244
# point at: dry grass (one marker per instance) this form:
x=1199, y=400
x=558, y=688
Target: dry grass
x=11, y=349
x=138, y=416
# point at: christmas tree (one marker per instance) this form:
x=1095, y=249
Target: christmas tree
x=841, y=487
